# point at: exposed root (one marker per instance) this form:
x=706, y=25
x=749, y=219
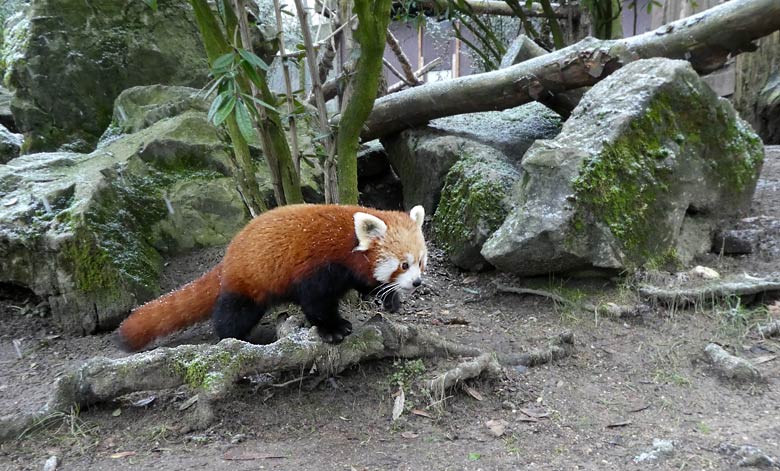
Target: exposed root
x=730, y=366
x=485, y=363
x=711, y=292
x=771, y=329
x=213, y=370
x=560, y=347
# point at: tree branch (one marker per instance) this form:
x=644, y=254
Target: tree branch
x=706, y=40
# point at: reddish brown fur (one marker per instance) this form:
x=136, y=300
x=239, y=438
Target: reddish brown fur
x=272, y=252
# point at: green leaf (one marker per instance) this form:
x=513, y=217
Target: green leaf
x=252, y=74
x=253, y=59
x=529, y=4
x=244, y=121
x=215, y=105
x=224, y=111
x=152, y=4
x=223, y=61
x=473, y=456
x=212, y=88
x=260, y=102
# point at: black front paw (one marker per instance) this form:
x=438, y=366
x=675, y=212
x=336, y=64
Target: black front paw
x=335, y=333
x=392, y=302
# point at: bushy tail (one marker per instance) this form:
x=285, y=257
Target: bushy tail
x=188, y=305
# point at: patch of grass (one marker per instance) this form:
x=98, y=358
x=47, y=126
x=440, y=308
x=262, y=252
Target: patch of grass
x=66, y=429
x=670, y=377
x=570, y=305
x=703, y=428
x=735, y=319
x=406, y=372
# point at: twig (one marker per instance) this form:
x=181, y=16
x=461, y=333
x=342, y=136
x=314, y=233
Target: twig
x=397, y=73
x=418, y=73
x=406, y=66
x=535, y=292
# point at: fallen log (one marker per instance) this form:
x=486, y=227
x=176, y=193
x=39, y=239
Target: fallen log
x=706, y=40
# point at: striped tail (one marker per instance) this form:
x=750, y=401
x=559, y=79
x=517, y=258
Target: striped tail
x=176, y=310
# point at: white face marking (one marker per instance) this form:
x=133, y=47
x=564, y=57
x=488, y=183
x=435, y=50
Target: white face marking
x=412, y=273
x=385, y=268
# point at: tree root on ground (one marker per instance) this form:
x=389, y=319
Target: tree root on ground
x=709, y=292
x=772, y=329
x=730, y=366
x=213, y=370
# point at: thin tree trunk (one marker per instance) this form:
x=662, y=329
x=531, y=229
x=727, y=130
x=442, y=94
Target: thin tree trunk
x=286, y=181
x=373, y=18
x=328, y=167
x=215, y=44
x=288, y=90
x=706, y=40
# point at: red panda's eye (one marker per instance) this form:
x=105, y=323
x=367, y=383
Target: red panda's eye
x=404, y=266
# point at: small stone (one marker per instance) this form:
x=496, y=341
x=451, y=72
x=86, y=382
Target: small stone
x=705, y=273
x=660, y=449
x=508, y=405
x=496, y=427
x=51, y=463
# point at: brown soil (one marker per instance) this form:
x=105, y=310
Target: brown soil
x=631, y=381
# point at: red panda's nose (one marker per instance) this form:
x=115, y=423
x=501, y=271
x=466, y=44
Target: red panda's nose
x=417, y=282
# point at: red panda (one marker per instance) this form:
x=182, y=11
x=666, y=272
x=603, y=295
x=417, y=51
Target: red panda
x=307, y=254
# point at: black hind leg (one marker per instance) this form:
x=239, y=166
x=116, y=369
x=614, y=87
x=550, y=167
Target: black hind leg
x=235, y=316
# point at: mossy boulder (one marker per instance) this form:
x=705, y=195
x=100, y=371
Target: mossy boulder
x=474, y=202
x=647, y=167
x=423, y=156
x=88, y=232
x=83, y=231
x=67, y=60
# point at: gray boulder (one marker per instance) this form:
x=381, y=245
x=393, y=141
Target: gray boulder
x=768, y=110
x=10, y=144
x=649, y=164
x=474, y=202
x=423, y=156
x=67, y=60
x=6, y=118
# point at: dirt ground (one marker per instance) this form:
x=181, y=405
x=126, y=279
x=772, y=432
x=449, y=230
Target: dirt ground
x=631, y=381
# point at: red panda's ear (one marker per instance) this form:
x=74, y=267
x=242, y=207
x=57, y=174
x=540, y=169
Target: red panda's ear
x=418, y=215
x=367, y=229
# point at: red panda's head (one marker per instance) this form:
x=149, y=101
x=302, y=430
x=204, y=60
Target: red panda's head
x=397, y=244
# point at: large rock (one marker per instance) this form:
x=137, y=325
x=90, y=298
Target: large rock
x=422, y=156
x=6, y=117
x=67, y=60
x=10, y=144
x=642, y=173
x=768, y=110
x=474, y=202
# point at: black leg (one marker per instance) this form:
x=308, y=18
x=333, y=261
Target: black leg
x=392, y=302
x=324, y=313
x=235, y=316
x=319, y=297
